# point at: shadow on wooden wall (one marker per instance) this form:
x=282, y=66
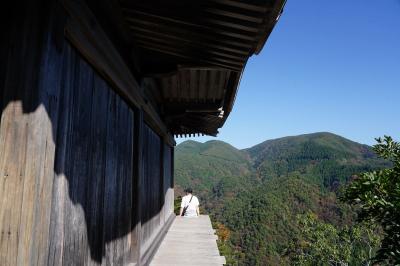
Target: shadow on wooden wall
x=66, y=152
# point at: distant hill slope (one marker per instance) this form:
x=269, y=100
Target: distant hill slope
x=213, y=169
x=257, y=192
x=325, y=158
x=332, y=146
x=213, y=148
x=337, y=145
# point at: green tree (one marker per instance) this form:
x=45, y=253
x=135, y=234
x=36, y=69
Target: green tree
x=324, y=244
x=377, y=194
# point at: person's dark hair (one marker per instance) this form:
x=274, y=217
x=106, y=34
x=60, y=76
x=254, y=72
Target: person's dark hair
x=189, y=190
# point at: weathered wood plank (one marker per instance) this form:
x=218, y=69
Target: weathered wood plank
x=198, y=249
x=25, y=131
x=58, y=208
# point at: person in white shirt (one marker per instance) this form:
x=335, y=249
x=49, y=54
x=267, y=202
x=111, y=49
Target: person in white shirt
x=189, y=205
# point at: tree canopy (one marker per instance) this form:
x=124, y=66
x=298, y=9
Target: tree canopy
x=377, y=196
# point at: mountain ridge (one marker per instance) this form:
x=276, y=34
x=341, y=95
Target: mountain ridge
x=204, y=147
x=326, y=133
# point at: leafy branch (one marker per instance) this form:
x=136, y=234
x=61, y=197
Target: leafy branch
x=377, y=195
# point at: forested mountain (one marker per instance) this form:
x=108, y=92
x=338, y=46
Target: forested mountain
x=256, y=196
x=216, y=170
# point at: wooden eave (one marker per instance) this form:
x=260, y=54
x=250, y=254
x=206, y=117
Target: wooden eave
x=191, y=54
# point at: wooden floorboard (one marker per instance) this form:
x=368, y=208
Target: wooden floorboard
x=189, y=241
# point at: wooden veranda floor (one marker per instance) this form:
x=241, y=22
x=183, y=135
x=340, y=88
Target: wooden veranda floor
x=189, y=241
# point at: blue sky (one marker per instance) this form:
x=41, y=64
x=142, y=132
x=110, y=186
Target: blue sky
x=327, y=66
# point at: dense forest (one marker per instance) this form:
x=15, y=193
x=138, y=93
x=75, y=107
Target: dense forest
x=277, y=202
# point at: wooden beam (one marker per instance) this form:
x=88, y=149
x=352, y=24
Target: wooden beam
x=110, y=12
x=233, y=25
x=203, y=13
x=228, y=64
x=208, y=56
x=189, y=126
x=236, y=15
x=143, y=18
x=185, y=45
x=210, y=41
x=242, y=4
x=201, y=67
x=160, y=50
x=173, y=105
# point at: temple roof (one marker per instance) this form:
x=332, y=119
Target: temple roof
x=191, y=54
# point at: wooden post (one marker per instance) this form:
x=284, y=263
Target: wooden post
x=172, y=167
x=137, y=177
x=162, y=196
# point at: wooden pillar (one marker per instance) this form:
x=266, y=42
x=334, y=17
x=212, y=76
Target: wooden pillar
x=162, y=190
x=137, y=177
x=172, y=167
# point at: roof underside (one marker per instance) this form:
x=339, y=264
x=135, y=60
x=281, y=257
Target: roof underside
x=192, y=54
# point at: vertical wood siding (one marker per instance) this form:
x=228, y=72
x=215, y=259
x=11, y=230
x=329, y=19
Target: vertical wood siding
x=66, y=157
x=92, y=200
x=66, y=142
x=26, y=143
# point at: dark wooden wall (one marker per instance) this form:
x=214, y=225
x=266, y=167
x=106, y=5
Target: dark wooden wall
x=151, y=184
x=94, y=145
x=67, y=157
x=156, y=193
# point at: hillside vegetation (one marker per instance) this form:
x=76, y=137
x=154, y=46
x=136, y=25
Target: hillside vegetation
x=257, y=197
